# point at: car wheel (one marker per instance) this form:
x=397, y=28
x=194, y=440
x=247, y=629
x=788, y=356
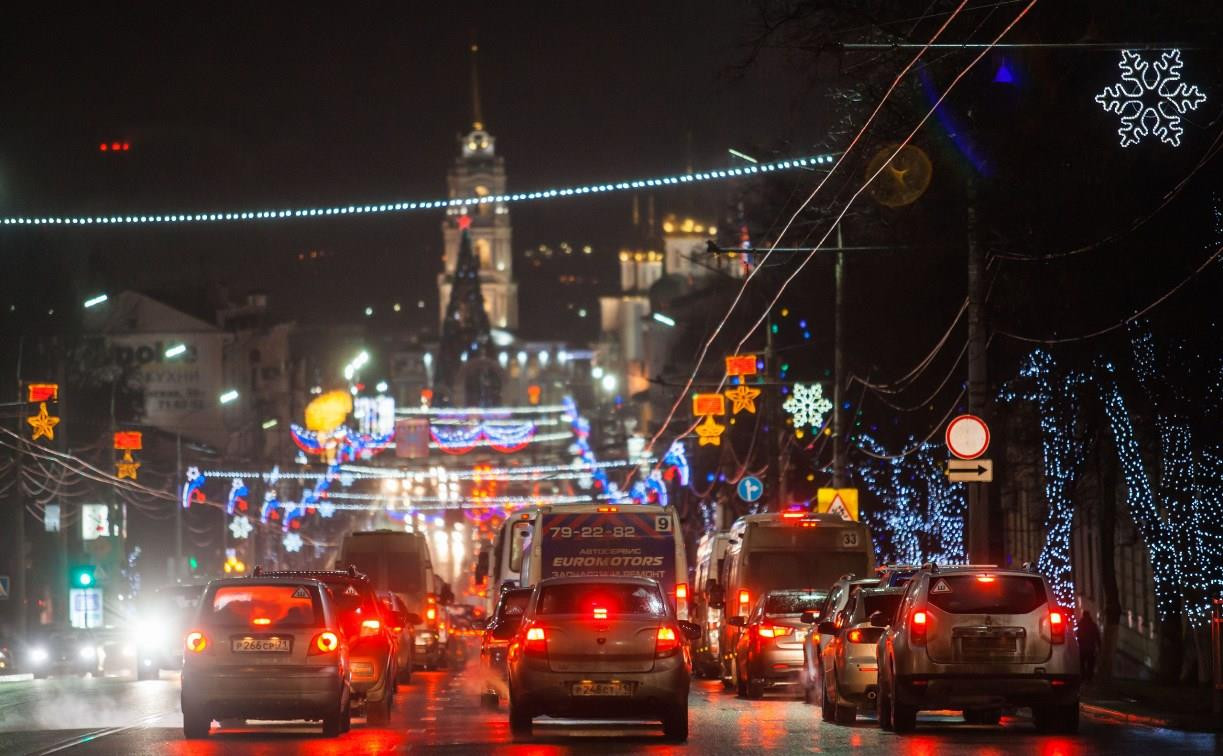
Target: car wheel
x=904, y=718
x=675, y=724
x=489, y=700
x=346, y=717
x=982, y=716
x=740, y=682
x=843, y=714
x=884, y=709
x=378, y=712
x=1064, y=718
x=195, y=724
x=520, y=719
x=332, y=725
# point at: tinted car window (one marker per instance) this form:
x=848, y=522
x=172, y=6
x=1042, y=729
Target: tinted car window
x=348, y=597
x=514, y=604
x=583, y=598
x=999, y=594
x=792, y=603
x=281, y=605
x=885, y=603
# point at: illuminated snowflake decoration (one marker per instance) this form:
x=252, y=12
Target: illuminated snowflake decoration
x=807, y=405
x=293, y=542
x=1151, y=98
x=240, y=526
x=346, y=479
x=326, y=509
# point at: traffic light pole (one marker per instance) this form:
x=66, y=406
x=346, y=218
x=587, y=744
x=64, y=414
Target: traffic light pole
x=978, y=500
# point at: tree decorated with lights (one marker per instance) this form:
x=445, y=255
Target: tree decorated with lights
x=466, y=336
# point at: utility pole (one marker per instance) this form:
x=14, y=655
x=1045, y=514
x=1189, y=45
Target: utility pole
x=978, y=500
x=772, y=483
x=19, y=510
x=838, y=368
x=178, y=507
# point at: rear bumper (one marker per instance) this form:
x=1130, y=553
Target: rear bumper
x=369, y=676
x=954, y=691
x=857, y=681
x=654, y=693
x=253, y=692
x=778, y=667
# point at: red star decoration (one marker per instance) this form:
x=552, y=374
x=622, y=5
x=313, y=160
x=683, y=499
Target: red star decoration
x=464, y=222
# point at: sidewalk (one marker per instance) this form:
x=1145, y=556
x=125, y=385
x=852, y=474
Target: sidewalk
x=1148, y=703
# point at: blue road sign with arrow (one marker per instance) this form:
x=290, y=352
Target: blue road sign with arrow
x=750, y=488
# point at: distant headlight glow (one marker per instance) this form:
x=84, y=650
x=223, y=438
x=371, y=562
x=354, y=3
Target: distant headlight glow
x=88, y=652
x=39, y=655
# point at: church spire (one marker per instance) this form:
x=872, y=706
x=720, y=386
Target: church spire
x=477, y=118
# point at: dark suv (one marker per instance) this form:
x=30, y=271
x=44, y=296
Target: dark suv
x=371, y=645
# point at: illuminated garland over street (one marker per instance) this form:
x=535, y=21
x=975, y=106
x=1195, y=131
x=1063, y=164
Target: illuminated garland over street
x=384, y=208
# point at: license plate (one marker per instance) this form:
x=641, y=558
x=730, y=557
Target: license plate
x=265, y=645
x=987, y=645
x=602, y=689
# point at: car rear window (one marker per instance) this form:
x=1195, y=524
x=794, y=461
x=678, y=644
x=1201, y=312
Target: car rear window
x=514, y=604
x=989, y=594
x=616, y=598
x=793, y=603
x=885, y=603
x=348, y=596
x=281, y=605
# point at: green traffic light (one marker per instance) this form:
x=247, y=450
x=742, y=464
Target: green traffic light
x=192, y=563
x=85, y=579
x=81, y=576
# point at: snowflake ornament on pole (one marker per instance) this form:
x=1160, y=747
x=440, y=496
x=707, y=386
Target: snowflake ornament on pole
x=1151, y=98
x=807, y=406
x=240, y=526
x=293, y=542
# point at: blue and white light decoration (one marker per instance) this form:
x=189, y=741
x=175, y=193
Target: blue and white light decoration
x=1151, y=99
x=923, y=515
x=461, y=203
x=238, y=491
x=584, y=455
x=191, y=488
x=1056, y=395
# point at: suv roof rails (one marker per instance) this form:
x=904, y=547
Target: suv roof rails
x=932, y=566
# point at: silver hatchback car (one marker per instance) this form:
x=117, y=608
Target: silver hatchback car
x=601, y=647
x=850, y=669
x=978, y=638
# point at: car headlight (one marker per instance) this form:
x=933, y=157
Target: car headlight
x=38, y=655
x=88, y=652
x=129, y=650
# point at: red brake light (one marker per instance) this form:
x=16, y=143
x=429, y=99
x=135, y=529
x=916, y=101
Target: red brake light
x=600, y=612
x=986, y=578
x=744, y=597
x=793, y=515
x=536, y=642
x=667, y=643
x=261, y=621
x=681, y=591
x=324, y=643
x=1057, y=626
x=917, y=631
x=774, y=631
x=430, y=614
x=196, y=641
x=609, y=509
x=370, y=627
x=855, y=636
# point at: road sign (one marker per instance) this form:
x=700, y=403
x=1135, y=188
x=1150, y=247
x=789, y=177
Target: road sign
x=750, y=488
x=838, y=501
x=3, y=587
x=970, y=470
x=967, y=436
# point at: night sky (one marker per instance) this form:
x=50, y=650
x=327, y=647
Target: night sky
x=240, y=106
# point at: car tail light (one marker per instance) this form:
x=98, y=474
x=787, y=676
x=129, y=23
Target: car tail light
x=1057, y=626
x=681, y=591
x=667, y=643
x=536, y=642
x=855, y=636
x=600, y=612
x=324, y=643
x=986, y=578
x=261, y=621
x=609, y=509
x=370, y=627
x=917, y=628
x=745, y=599
x=774, y=631
x=196, y=641
x=431, y=614
x=793, y=515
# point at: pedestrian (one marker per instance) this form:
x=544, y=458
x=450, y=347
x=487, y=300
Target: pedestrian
x=1088, y=634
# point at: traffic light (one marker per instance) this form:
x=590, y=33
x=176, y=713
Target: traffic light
x=193, y=563
x=81, y=576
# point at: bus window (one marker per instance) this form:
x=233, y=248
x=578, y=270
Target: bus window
x=798, y=568
x=518, y=536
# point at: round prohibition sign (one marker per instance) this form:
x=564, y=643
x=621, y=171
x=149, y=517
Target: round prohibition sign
x=967, y=436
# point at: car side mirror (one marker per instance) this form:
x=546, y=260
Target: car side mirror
x=399, y=619
x=737, y=621
x=826, y=628
x=691, y=630
x=412, y=618
x=716, y=596
x=879, y=619
x=809, y=618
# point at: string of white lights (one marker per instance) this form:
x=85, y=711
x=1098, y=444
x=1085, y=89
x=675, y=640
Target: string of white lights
x=403, y=207
x=492, y=412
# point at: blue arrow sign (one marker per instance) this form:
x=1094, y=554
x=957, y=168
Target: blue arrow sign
x=4, y=586
x=750, y=488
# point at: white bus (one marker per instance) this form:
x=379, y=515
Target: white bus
x=710, y=553
x=779, y=550
x=640, y=540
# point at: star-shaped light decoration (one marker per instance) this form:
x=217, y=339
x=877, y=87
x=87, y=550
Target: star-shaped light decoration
x=807, y=405
x=127, y=466
x=240, y=526
x=743, y=398
x=710, y=432
x=292, y=542
x=42, y=423
x=464, y=222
